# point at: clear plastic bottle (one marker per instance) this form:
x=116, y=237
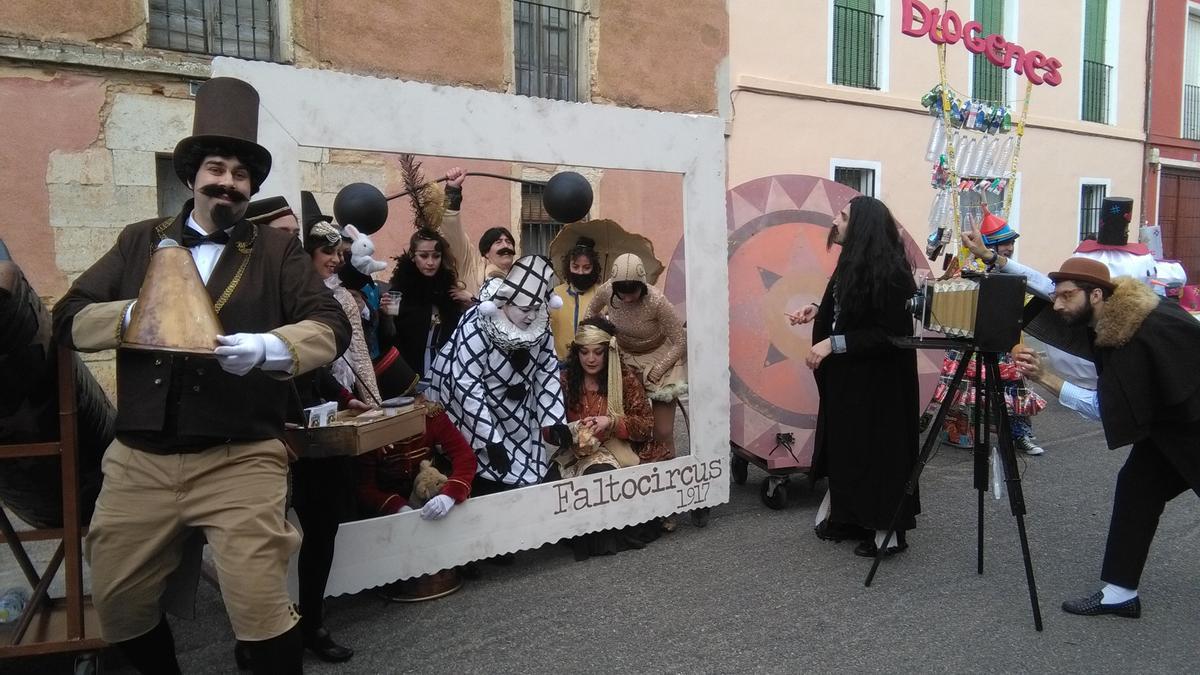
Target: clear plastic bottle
x=12, y=603
x=937, y=139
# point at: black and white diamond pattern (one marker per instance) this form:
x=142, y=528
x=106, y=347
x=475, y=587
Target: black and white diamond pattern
x=471, y=377
x=529, y=282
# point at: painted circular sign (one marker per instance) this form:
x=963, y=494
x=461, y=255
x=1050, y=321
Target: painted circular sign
x=778, y=263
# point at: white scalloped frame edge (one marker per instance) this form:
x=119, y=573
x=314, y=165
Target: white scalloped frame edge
x=320, y=108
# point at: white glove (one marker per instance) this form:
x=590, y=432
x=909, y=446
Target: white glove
x=437, y=508
x=241, y=352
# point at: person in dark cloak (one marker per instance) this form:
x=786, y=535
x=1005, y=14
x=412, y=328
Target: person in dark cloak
x=867, y=421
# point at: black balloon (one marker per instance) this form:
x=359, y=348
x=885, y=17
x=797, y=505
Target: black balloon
x=361, y=205
x=567, y=197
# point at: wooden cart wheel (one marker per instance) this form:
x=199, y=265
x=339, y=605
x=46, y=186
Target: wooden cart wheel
x=774, y=492
x=739, y=468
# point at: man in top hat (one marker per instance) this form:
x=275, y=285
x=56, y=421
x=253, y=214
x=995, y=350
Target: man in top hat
x=1148, y=396
x=497, y=376
x=274, y=212
x=198, y=437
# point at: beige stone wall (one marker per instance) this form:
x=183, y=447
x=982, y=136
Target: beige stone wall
x=440, y=42
x=109, y=21
x=661, y=55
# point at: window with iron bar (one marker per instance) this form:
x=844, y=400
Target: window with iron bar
x=1191, y=80
x=1091, y=202
x=1097, y=74
x=856, y=43
x=241, y=28
x=862, y=180
x=549, y=48
x=538, y=229
x=989, y=82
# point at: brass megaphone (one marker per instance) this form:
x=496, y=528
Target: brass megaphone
x=173, y=312
x=567, y=197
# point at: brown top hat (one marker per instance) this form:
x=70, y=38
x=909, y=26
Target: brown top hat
x=1085, y=270
x=226, y=117
x=265, y=210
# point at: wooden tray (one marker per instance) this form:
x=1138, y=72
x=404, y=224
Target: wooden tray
x=353, y=435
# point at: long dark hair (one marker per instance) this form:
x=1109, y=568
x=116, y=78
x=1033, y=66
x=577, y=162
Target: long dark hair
x=872, y=259
x=575, y=372
x=406, y=276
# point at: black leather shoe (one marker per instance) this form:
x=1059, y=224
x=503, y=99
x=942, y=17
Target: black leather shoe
x=1093, y=606
x=321, y=643
x=868, y=549
x=241, y=655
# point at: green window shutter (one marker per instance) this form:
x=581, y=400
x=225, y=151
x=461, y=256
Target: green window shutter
x=855, y=43
x=1096, y=73
x=989, y=82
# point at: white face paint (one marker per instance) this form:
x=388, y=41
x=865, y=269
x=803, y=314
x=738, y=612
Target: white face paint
x=521, y=317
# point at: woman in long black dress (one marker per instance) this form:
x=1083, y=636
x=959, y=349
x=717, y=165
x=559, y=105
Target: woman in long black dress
x=867, y=422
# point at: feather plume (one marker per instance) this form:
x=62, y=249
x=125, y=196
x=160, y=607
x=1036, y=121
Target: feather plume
x=428, y=199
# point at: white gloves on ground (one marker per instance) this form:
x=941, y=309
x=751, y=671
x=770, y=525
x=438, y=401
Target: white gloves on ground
x=241, y=352
x=437, y=508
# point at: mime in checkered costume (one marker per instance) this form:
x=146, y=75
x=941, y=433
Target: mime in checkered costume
x=497, y=376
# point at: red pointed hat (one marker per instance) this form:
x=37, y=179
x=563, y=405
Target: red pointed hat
x=995, y=230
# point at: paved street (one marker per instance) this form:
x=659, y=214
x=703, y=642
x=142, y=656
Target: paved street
x=757, y=592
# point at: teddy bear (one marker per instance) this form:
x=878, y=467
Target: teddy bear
x=427, y=484
x=361, y=250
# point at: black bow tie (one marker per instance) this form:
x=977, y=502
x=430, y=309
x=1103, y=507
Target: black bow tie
x=193, y=238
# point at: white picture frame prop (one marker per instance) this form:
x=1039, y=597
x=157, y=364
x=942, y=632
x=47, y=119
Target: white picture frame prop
x=321, y=108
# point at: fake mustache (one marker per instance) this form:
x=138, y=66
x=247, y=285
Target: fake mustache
x=215, y=191
x=506, y=251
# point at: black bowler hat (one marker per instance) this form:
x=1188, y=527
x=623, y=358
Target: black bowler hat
x=227, y=118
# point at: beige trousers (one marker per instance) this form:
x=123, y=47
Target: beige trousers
x=147, y=508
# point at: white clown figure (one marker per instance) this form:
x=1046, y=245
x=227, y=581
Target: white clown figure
x=497, y=377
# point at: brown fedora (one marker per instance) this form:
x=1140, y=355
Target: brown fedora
x=1084, y=270
x=226, y=117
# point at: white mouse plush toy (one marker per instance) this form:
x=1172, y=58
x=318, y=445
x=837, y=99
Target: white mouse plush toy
x=361, y=250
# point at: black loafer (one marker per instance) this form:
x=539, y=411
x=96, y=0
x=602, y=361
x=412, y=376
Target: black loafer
x=1092, y=605
x=868, y=549
x=321, y=643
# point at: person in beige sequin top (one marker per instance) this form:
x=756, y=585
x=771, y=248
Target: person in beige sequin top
x=651, y=337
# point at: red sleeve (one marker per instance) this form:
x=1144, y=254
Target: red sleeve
x=371, y=500
x=439, y=429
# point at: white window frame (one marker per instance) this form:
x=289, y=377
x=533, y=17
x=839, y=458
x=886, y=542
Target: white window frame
x=1083, y=182
x=884, y=9
x=877, y=167
x=1112, y=43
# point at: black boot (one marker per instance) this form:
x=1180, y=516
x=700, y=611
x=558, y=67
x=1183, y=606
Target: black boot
x=241, y=655
x=152, y=653
x=321, y=643
x=281, y=655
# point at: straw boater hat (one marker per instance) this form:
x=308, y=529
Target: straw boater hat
x=226, y=117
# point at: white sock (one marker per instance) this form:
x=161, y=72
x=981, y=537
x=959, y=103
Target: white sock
x=823, y=509
x=1115, y=595
x=880, y=535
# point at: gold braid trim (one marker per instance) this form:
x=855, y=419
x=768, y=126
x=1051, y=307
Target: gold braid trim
x=291, y=350
x=462, y=483
x=245, y=248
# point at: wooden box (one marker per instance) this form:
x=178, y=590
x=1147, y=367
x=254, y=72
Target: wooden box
x=355, y=434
